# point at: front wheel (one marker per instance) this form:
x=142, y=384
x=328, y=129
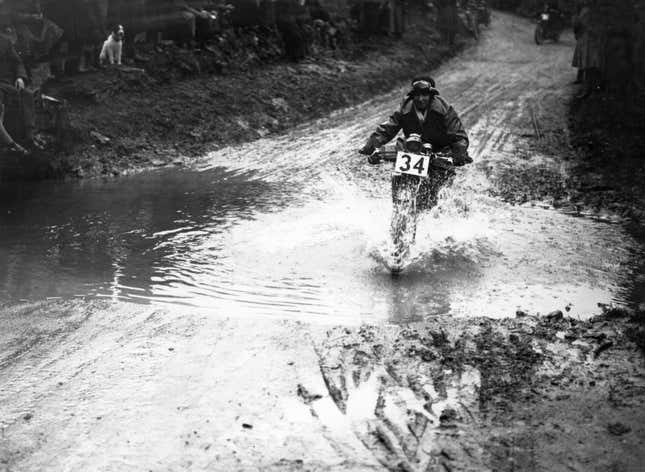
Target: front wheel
x=539, y=35
x=403, y=226
x=403, y=231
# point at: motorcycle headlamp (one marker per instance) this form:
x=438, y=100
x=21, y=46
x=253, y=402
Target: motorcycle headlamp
x=413, y=142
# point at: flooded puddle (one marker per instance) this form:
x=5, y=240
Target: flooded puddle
x=295, y=244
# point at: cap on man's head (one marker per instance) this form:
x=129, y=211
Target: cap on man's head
x=423, y=85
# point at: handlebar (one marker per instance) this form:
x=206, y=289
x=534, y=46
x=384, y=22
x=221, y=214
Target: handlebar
x=440, y=160
x=389, y=156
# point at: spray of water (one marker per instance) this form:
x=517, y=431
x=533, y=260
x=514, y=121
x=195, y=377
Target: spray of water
x=455, y=231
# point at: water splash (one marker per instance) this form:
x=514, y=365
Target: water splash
x=453, y=233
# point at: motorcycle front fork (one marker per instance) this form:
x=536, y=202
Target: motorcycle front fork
x=405, y=190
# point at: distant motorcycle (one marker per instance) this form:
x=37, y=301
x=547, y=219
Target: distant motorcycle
x=418, y=175
x=549, y=26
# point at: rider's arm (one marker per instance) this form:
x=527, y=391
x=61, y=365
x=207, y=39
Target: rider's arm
x=456, y=134
x=384, y=133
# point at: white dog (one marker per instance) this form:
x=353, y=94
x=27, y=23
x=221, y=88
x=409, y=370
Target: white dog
x=113, y=46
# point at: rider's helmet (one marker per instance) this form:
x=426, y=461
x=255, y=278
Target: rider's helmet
x=413, y=143
x=423, y=84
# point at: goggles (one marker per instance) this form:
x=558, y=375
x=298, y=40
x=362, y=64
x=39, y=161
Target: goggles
x=420, y=84
x=422, y=87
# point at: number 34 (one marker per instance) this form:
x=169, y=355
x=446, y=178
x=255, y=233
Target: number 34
x=418, y=165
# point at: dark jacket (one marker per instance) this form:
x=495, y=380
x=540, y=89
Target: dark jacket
x=441, y=127
x=11, y=66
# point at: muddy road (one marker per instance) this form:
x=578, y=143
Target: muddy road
x=181, y=320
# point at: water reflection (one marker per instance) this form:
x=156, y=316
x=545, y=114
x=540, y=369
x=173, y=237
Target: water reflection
x=228, y=241
x=100, y=237
x=296, y=226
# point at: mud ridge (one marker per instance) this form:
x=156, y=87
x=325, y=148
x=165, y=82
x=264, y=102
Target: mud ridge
x=484, y=394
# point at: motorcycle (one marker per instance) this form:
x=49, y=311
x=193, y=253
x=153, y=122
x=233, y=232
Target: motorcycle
x=549, y=26
x=418, y=175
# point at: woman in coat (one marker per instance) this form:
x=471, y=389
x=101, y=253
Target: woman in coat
x=587, y=56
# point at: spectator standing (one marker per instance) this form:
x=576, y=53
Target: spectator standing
x=447, y=21
x=84, y=25
x=16, y=103
x=615, y=20
x=588, y=51
x=397, y=17
x=577, y=53
x=638, y=51
x=207, y=18
x=93, y=31
x=37, y=35
x=470, y=7
x=287, y=13
x=170, y=19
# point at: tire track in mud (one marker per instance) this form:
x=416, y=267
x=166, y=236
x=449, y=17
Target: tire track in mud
x=458, y=395
x=417, y=397
x=430, y=401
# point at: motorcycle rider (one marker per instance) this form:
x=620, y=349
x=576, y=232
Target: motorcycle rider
x=423, y=112
x=555, y=16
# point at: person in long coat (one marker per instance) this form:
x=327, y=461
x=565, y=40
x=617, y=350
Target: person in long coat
x=84, y=23
x=447, y=21
x=577, y=33
x=16, y=103
x=37, y=34
x=587, y=56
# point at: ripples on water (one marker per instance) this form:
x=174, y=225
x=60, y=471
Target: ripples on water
x=293, y=227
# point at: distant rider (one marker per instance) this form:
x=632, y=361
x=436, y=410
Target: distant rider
x=425, y=113
x=555, y=15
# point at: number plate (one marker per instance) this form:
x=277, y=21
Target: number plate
x=413, y=164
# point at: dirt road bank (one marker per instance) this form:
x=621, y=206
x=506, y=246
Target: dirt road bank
x=146, y=121
x=607, y=133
